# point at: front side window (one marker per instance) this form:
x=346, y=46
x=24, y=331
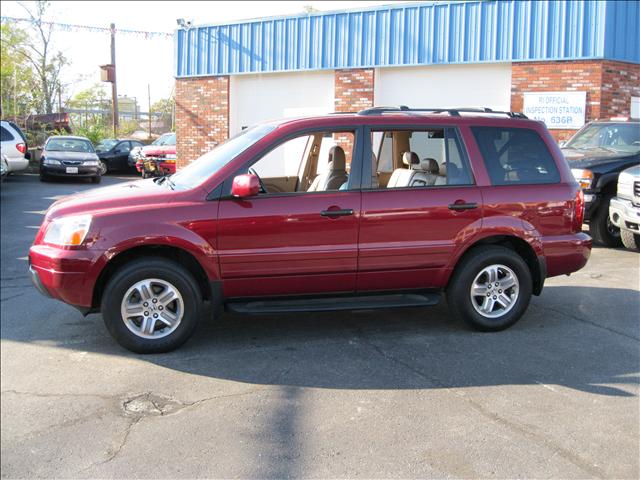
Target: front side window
x=106, y=145
x=515, y=156
x=418, y=159
x=315, y=162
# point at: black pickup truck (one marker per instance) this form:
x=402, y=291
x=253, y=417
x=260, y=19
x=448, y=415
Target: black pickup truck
x=597, y=154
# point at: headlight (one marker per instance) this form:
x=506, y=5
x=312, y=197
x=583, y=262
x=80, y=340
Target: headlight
x=70, y=230
x=51, y=161
x=91, y=163
x=583, y=177
x=171, y=156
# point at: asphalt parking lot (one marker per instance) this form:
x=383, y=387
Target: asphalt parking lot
x=390, y=393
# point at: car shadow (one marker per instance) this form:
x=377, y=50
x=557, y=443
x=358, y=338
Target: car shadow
x=566, y=338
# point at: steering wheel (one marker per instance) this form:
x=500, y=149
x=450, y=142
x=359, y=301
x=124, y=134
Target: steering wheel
x=262, y=187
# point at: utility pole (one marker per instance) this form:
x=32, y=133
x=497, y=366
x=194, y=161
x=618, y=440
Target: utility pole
x=149, y=94
x=15, y=96
x=114, y=88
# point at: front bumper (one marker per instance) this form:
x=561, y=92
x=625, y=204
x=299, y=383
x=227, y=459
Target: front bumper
x=61, y=171
x=624, y=214
x=65, y=274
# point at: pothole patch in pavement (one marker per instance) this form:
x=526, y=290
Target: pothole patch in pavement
x=150, y=405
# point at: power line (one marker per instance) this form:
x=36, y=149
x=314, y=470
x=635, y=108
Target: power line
x=70, y=27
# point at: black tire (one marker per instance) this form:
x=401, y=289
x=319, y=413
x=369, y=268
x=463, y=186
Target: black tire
x=138, y=270
x=97, y=179
x=458, y=292
x=630, y=240
x=601, y=229
x=103, y=168
x=44, y=178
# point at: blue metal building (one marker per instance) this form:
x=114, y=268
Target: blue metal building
x=415, y=34
x=490, y=53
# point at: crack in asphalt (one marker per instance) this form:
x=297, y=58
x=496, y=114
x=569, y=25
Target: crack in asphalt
x=574, y=459
x=583, y=320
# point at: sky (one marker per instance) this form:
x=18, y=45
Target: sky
x=142, y=62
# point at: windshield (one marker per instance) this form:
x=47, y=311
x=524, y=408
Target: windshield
x=69, y=145
x=106, y=145
x=208, y=164
x=623, y=137
x=166, y=139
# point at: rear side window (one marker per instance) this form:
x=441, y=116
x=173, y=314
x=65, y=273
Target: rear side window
x=515, y=156
x=5, y=135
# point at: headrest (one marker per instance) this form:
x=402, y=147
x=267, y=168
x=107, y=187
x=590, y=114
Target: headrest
x=443, y=169
x=430, y=165
x=336, y=158
x=410, y=159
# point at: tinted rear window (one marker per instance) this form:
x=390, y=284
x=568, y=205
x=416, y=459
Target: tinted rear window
x=515, y=155
x=5, y=135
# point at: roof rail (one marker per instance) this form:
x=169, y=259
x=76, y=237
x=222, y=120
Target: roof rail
x=454, y=112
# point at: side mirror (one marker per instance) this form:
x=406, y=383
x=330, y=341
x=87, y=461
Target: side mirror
x=246, y=185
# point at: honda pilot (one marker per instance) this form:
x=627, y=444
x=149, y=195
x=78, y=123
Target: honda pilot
x=388, y=207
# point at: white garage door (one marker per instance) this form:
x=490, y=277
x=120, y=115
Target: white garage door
x=255, y=98
x=486, y=85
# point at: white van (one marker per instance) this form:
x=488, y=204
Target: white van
x=13, y=147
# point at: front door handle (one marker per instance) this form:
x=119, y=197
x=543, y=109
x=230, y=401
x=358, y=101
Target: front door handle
x=460, y=205
x=337, y=213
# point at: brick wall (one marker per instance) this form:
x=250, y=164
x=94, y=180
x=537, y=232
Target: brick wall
x=353, y=92
x=202, y=116
x=620, y=82
x=609, y=85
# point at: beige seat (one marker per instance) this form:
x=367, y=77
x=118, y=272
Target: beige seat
x=336, y=174
x=419, y=173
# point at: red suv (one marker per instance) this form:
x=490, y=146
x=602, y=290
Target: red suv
x=388, y=207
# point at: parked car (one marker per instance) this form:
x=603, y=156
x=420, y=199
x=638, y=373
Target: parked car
x=66, y=156
x=114, y=154
x=597, y=154
x=624, y=209
x=13, y=147
x=4, y=168
x=136, y=152
x=157, y=161
x=385, y=208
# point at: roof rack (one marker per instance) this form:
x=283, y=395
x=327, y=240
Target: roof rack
x=454, y=112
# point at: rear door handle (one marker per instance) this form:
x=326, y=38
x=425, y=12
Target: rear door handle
x=463, y=206
x=337, y=213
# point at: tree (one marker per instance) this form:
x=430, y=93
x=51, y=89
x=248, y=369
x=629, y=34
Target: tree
x=17, y=81
x=93, y=97
x=46, y=64
x=163, y=106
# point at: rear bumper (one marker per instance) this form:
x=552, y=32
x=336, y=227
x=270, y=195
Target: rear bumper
x=67, y=275
x=566, y=254
x=16, y=164
x=624, y=214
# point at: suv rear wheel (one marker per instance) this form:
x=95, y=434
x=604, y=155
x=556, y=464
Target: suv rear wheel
x=490, y=289
x=151, y=305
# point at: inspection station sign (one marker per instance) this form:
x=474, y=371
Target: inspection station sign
x=557, y=109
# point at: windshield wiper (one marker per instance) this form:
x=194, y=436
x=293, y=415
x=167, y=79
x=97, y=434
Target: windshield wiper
x=169, y=182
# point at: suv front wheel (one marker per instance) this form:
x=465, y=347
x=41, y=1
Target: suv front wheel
x=151, y=305
x=490, y=289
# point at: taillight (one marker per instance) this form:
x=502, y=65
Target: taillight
x=21, y=147
x=578, y=214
